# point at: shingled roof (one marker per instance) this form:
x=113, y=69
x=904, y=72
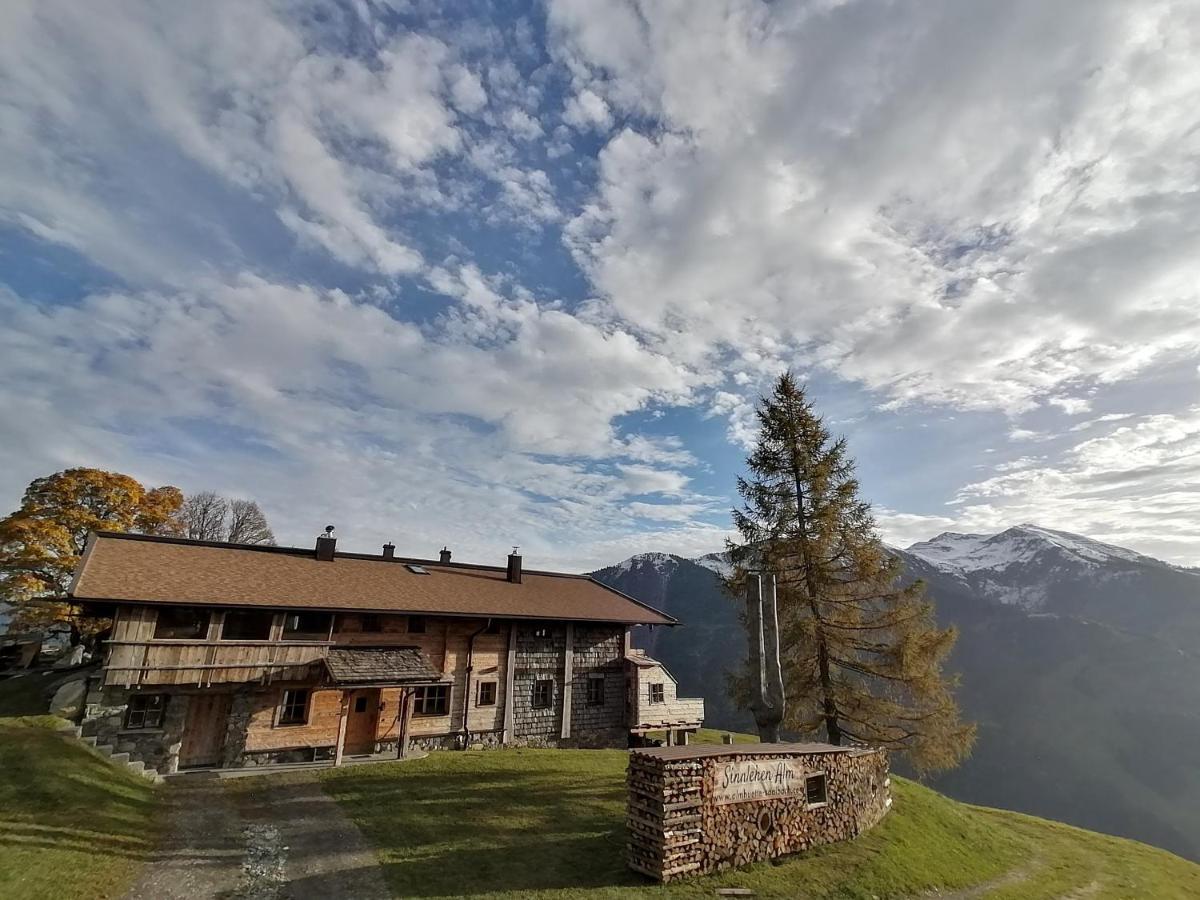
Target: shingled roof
x=144, y=569
x=381, y=665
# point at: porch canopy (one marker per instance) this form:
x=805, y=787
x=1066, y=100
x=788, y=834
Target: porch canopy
x=381, y=667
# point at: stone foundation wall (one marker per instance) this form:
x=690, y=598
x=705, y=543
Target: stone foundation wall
x=480, y=740
x=104, y=718
x=677, y=827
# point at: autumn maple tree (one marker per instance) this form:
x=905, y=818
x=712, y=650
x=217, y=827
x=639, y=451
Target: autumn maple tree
x=41, y=543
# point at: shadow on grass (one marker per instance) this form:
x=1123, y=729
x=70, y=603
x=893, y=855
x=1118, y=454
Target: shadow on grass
x=455, y=832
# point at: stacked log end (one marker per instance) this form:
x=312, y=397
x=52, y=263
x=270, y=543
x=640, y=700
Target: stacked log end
x=676, y=828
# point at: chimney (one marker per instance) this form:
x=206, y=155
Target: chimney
x=389, y=550
x=514, y=567
x=326, y=544
x=444, y=555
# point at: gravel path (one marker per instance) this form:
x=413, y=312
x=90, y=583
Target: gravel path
x=267, y=838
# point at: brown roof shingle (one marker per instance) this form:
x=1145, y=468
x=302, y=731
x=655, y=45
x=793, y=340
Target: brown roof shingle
x=381, y=665
x=145, y=569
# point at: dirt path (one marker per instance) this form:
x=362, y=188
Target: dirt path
x=267, y=838
x=1011, y=877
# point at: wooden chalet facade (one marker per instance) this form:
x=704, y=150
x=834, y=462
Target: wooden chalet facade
x=237, y=655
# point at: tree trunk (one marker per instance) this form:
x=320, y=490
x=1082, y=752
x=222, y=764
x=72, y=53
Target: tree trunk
x=828, y=703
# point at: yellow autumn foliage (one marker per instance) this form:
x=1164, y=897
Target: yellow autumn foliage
x=40, y=543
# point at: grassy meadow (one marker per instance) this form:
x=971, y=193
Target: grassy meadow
x=73, y=824
x=550, y=824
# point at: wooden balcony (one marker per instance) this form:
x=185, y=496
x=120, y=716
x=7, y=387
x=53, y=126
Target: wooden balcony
x=205, y=663
x=673, y=712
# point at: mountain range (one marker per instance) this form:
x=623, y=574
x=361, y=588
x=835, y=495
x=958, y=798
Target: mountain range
x=1078, y=660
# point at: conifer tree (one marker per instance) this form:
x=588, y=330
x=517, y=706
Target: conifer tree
x=861, y=653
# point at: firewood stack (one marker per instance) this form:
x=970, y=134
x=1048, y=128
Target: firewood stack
x=676, y=827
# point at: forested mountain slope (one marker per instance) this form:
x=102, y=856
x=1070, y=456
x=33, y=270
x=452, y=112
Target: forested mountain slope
x=1078, y=661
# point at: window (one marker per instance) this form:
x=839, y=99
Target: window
x=417, y=570
x=416, y=624
x=433, y=700
x=247, y=625
x=814, y=789
x=371, y=623
x=306, y=626
x=543, y=693
x=293, y=710
x=179, y=623
x=595, y=690
x=487, y=694
x=656, y=694
x=360, y=704
x=145, y=711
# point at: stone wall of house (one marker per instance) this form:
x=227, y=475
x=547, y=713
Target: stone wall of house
x=677, y=827
x=104, y=719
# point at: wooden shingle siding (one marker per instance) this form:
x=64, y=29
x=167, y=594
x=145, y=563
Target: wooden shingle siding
x=598, y=651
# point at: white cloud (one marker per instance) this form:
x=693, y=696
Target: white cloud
x=336, y=143
x=1133, y=485
x=974, y=206
x=325, y=407
x=990, y=207
x=586, y=110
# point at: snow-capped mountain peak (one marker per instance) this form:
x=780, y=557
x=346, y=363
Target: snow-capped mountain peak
x=660, y=562
x=1021, y=544
x=717, y=562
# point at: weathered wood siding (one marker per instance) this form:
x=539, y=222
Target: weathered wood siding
x=595, y=649
x=263, y=734
x=258, y=671
x=136, y=657
x=673, y=711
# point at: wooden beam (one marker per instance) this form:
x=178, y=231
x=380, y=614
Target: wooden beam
x=343, y=709
x=568, y=676
x=405, y=712
x=510, y=682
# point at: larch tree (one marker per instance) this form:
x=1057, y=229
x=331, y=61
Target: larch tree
x=40, y=543
x=207, y=516
x=861, y=653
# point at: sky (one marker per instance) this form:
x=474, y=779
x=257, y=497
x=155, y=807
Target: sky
x=495, y=274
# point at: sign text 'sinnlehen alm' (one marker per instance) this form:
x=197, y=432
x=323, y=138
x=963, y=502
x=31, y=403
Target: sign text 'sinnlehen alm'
x=741, y=780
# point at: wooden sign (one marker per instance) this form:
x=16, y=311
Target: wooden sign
x=743, y=780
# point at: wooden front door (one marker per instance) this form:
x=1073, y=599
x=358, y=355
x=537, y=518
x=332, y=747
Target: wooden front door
x=362, y=719
x=204, y=730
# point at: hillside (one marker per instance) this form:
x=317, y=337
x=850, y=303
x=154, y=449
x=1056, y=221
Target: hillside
x=74, y=825
x=517, y=824
x=1073, y=664
x=550, y=824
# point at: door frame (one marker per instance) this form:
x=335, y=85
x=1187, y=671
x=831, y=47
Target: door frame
x=350, y=696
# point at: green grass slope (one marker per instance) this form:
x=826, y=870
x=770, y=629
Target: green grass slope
x=71, y=824
x=544, y=823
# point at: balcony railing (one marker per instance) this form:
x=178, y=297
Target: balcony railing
x=204, y=663
x=677, y=712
